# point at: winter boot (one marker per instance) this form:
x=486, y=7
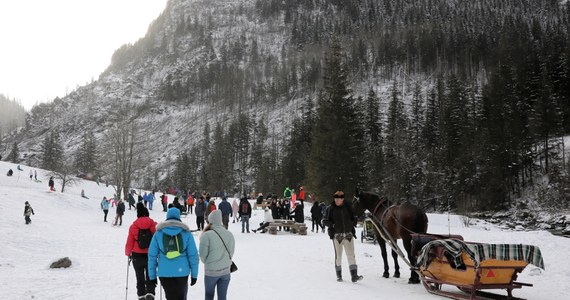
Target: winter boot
x=339, y=275
x=354, y=276
x=149, y=296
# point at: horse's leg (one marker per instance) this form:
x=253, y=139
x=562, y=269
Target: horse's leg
x=414, y=277
x=396, y=265
x=382, y=245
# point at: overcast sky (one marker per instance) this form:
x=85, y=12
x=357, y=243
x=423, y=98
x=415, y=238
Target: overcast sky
x=48, y=48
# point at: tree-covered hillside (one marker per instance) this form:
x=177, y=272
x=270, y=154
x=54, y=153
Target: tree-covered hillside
x=452, y=102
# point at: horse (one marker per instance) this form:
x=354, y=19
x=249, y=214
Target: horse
x=397, y=222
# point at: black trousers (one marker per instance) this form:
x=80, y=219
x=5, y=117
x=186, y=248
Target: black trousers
x=140, y=264
x=175, y=288
x=200, y=222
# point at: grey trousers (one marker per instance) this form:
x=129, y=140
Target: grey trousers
x=344, y=242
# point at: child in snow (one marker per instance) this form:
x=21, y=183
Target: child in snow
x=28, y=211
x=51, y=184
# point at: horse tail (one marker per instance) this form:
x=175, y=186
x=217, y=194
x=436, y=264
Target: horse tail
x=421, y=225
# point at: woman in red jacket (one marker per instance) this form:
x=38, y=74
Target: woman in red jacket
x=136, y=248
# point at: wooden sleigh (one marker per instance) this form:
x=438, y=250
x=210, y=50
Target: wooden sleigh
x=473, y=268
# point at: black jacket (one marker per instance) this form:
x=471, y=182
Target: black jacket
x=121, y=208
x=298, y=214
x=316, y=212
x=340, y=219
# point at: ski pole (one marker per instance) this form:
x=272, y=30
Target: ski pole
x=127, y=289
x=160, y=290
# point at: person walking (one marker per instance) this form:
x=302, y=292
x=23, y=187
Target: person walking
x=244, y=214
x=226, y=208
x=151, y=199
x=105, y=208
x=341, y=222
x=217, y=247
x=35, y=175
x=235, y=208
x=132, y=201
x=173, y=256
x=200, y=212
x=28, y=211
x=119, y=213
x=316, y=216
x=136, y=248
x=31, y=174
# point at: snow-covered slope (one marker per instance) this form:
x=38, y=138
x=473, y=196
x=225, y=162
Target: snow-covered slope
x=284, y=266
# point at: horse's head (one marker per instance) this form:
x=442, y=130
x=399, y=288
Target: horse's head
x=357, y=207
x=364, y=201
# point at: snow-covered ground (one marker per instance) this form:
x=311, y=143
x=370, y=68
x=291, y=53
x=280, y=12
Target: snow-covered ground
x=284, y=266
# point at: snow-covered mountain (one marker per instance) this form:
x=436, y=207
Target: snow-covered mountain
x=208, y=61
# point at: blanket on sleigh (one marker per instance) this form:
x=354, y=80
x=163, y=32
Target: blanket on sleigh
x=479, y=252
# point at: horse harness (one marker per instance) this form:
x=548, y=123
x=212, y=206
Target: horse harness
x=385, y=235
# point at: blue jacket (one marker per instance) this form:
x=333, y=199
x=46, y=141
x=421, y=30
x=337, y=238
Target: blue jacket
x=104, y=204
x=181, y=266
x=225, y=207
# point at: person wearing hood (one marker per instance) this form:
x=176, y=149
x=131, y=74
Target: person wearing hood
x=173, y=256
x=217, y=247
x=136, y=251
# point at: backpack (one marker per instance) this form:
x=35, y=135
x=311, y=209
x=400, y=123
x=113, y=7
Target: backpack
x=244, y=208
x=144, y=238
x=173, y=245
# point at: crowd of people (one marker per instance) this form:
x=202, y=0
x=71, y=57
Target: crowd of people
x=167, y=251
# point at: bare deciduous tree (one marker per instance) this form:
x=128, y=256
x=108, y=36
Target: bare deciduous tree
x=125, y=145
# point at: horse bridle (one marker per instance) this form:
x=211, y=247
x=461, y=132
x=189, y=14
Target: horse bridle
x=356, y=199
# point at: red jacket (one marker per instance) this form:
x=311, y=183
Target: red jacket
x=301, y=195
x=139, y=223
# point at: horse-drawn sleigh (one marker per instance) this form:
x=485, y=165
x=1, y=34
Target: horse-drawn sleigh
x=442, y=260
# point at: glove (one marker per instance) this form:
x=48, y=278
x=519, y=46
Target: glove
x=193, y=281
x=154, y=281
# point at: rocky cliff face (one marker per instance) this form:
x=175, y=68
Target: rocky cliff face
x=156, y=80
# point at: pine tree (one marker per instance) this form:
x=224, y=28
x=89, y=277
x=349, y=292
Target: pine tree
x=396, y=147
x=14, y=155
x=219, y=162
x=374, y=141
x=336, y=161
x=86, y=160
x=52, y=152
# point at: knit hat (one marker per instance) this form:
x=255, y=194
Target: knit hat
x=141, y=210
x=215, y=217
x=173, y=213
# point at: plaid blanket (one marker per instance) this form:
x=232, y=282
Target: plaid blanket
x=480, y=252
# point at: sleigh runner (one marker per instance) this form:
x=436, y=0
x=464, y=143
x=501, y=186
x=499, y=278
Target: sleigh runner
x=473, y=267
